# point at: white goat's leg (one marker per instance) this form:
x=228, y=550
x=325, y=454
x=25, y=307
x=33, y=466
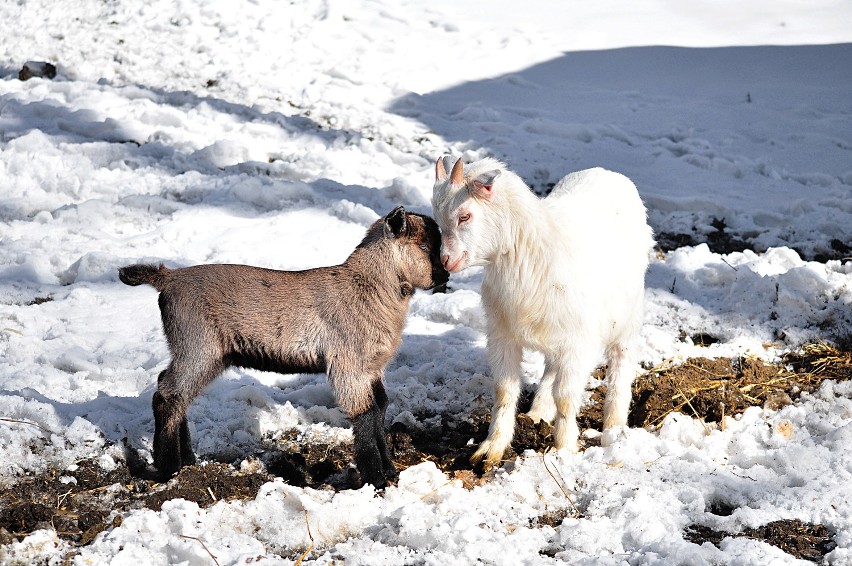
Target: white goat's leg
x=620, y=373
x=505, y=360
x=571, y=376
x=543, y=407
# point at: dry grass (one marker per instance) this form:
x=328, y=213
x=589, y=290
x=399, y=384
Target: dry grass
x=710, y=389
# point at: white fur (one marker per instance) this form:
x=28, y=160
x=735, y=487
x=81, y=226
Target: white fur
x=564, y=275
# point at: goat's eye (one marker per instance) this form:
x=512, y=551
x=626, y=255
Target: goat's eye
x=464, y=217
x=424, y=247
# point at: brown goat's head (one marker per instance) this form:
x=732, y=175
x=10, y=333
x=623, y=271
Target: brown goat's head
x=415, y=244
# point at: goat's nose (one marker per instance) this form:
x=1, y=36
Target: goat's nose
x=445, y=259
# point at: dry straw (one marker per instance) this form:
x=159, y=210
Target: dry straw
x=692, y=381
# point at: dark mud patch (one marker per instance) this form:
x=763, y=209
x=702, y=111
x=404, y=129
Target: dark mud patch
x=81, y=502
x=206, y=484
x=77, y=504
x=451, y=446
x=721, y=241
x=802, y=540
x=309, y=464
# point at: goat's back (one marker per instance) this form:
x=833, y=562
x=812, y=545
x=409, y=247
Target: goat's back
x=604, y=209
x=599, y=192
x=253, y=301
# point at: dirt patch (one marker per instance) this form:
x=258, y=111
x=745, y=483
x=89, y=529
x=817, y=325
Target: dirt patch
x=312, y=464
x=206, y=484
x=711, y=389
x=76, y=503
x=80, y=503
x=720, y=241
x=798, y=539
x=451, y=446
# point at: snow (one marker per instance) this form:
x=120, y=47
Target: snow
x=273, y=133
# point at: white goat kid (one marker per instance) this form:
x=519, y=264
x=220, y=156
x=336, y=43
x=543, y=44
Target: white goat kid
x=564, y=275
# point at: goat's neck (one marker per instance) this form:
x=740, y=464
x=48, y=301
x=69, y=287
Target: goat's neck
x=379, y=277
x=525, y=235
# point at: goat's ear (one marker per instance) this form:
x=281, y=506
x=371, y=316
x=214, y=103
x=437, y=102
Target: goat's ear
x=483, y=185
x=440, y=170
x=457, y=174
x=395, y=222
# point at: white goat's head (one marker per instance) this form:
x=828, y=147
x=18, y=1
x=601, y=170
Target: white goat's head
x=464, y=207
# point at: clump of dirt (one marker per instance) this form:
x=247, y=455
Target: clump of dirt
x=710, y=389
x=205, y=484
x=801, y=540
x=80, y=503
x=76, y=504
x=451, y=446
x=719, y=241
x=839, y=251
x=313, y=464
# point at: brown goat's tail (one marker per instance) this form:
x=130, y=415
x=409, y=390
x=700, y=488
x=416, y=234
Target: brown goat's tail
x=142, y=273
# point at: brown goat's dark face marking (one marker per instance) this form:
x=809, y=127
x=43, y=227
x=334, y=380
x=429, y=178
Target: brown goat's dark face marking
x=345, y=320
x=422, y=246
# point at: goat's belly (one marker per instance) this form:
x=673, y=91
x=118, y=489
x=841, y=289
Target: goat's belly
x=530, y=329
x=546, y=330
x=540, y=319
x=278, y=364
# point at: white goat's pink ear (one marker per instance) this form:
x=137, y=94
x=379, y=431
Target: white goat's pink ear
x=457, y=174
x=440, y=170
x=483, y=185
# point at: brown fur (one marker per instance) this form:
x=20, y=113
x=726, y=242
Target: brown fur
x=345, y=320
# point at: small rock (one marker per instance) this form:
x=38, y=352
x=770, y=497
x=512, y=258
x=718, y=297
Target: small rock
x=38, y=69
x=777, y=401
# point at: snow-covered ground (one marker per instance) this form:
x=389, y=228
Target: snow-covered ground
x=273, y=133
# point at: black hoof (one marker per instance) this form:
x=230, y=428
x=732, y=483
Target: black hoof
x=391, y=474
x=136, y=464
x=374, y=478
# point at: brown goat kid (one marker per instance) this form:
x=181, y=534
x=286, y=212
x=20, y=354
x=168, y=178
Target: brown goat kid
x=345, y=320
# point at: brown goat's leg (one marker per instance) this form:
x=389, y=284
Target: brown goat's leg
x=368, y=458
x=381, y=401
x=168, y=416
x=187, y=456
x=160, y=408
x=177, y=386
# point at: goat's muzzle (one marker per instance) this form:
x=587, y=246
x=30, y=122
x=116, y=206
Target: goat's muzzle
x=440, y=276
